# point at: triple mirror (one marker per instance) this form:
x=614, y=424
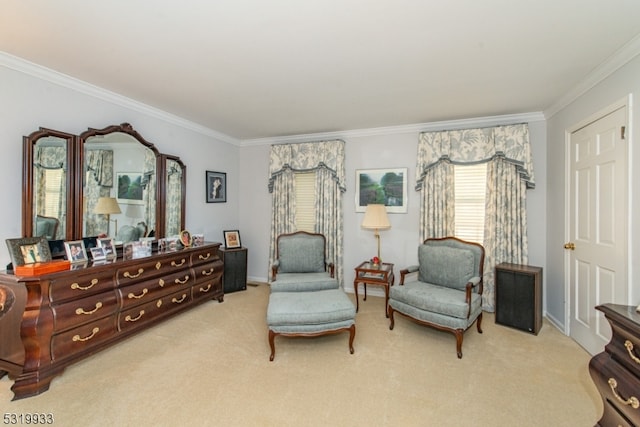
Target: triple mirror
x=104, y=182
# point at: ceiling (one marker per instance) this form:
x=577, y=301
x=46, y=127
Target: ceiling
x=252, y=69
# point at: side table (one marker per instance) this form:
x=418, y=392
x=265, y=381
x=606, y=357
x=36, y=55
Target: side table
x=381, y=275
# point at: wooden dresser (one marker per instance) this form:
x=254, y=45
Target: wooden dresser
x=616, y=371
x=60, y=318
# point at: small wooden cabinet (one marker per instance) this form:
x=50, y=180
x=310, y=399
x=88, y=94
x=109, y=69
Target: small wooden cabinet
x=616, y=371
x=235, y=269
x=519, y=296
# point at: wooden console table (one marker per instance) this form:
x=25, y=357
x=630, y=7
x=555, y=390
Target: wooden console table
x=60, y=318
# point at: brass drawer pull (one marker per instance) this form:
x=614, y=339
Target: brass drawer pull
x=182, y=282
x=632, y=401
x=77, y=338
x=84, y=288
x=207, y=289
x=208, y=273
x=81, y=310
x=204, y=257
x=132, y=295
x=174, y=264
x=629, y=345
x=178, y=301
x=133, y=276
x=134, y=319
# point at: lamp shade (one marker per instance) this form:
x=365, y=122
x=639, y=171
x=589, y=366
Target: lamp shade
x=107, y=205
x=375, y=217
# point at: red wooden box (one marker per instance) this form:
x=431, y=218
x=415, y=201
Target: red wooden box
x=40, y=268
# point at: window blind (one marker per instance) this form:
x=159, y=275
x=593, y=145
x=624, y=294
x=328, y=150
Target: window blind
x=470, y=190
x=305, y=201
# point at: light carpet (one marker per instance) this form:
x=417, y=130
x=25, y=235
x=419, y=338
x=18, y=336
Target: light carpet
x=210, y=367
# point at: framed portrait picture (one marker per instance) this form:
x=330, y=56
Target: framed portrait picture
x=109, y=247
x=185, y=238
x=216, y=187
x=76, y=252
x=97, y=254
x=382, y=186
x=130, y=189
x=232, y=239
x=28, y=250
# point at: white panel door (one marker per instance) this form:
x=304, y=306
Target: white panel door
x=598, y=226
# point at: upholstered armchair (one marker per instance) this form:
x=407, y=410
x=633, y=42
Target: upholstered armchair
x=47, y=227
x=301, y=265
x=444, y=290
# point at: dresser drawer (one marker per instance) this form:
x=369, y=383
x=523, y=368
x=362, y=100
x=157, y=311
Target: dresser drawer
x=625, y=348
x=83, y=283
x=211, y=288
x=82, y=338
x=617, y=386
x=142, y=314
x=148, y=290
x=611, y=417
x=209, y=271
x=204, y=255
x=76, y=312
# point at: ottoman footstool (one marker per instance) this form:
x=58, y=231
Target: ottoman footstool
x=310, y=314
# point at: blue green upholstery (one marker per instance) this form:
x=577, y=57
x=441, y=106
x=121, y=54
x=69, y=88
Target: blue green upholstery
x=446, y=292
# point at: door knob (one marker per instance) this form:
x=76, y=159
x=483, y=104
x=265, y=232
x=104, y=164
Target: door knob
x=570, y=245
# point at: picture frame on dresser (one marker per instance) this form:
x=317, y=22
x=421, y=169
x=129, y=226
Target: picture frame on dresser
x=76, y=251
x=108, y=244
x=28, y=250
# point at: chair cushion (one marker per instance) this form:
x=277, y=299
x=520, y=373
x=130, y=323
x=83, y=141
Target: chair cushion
x=445, y=266
x=301, y=254
x=433, y=298
x=303, y=282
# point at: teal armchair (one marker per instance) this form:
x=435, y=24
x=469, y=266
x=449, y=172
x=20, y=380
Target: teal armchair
x=444, y=291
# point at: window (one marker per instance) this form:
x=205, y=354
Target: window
x=306, y=201
x=52, y=186
x=470, y=190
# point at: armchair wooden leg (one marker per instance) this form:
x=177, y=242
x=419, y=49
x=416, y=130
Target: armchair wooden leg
x=352, y=335
x=272, y=344
x=479, y=323
x=459, y=334
x=391, y=320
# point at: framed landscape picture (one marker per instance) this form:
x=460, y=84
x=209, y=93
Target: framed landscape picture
x=382, y=186
x=130, y=189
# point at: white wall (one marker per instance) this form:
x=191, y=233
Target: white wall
x=399, y=244
x=28, y=102
x=615, y=87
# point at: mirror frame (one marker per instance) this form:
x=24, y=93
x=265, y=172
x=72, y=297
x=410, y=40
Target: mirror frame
x=75, y=167
x=28, y=145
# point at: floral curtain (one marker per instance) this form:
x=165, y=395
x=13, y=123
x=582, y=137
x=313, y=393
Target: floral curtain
x=326, y=158
x=510, y=173
x=98, y=183
x=174, y=193
x=51, y=157
x=150, y=185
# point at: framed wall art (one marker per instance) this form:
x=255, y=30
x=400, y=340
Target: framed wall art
x=28, y=250
x=232, y=239
x=216, y=187
x=130, y=188
x=382, y=186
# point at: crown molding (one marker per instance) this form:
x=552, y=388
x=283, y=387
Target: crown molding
x=389, y=130
x=55, y=77
x=622, y=56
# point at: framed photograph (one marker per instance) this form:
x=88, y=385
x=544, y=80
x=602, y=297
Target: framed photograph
x=97, y=254
x=76, y=252
x=185, y=238
x=232, y=239
x=109, y=247
x=216, y=187
x=382, y=186
x=28, y=250
x=130, y=189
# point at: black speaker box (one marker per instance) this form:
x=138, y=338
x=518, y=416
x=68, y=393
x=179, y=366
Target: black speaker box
x=518, y=292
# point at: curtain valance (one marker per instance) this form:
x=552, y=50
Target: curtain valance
x=308, y=156
x=476, y=146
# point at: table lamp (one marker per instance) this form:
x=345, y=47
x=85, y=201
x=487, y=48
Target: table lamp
x=375, y=218
x=107, y=206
